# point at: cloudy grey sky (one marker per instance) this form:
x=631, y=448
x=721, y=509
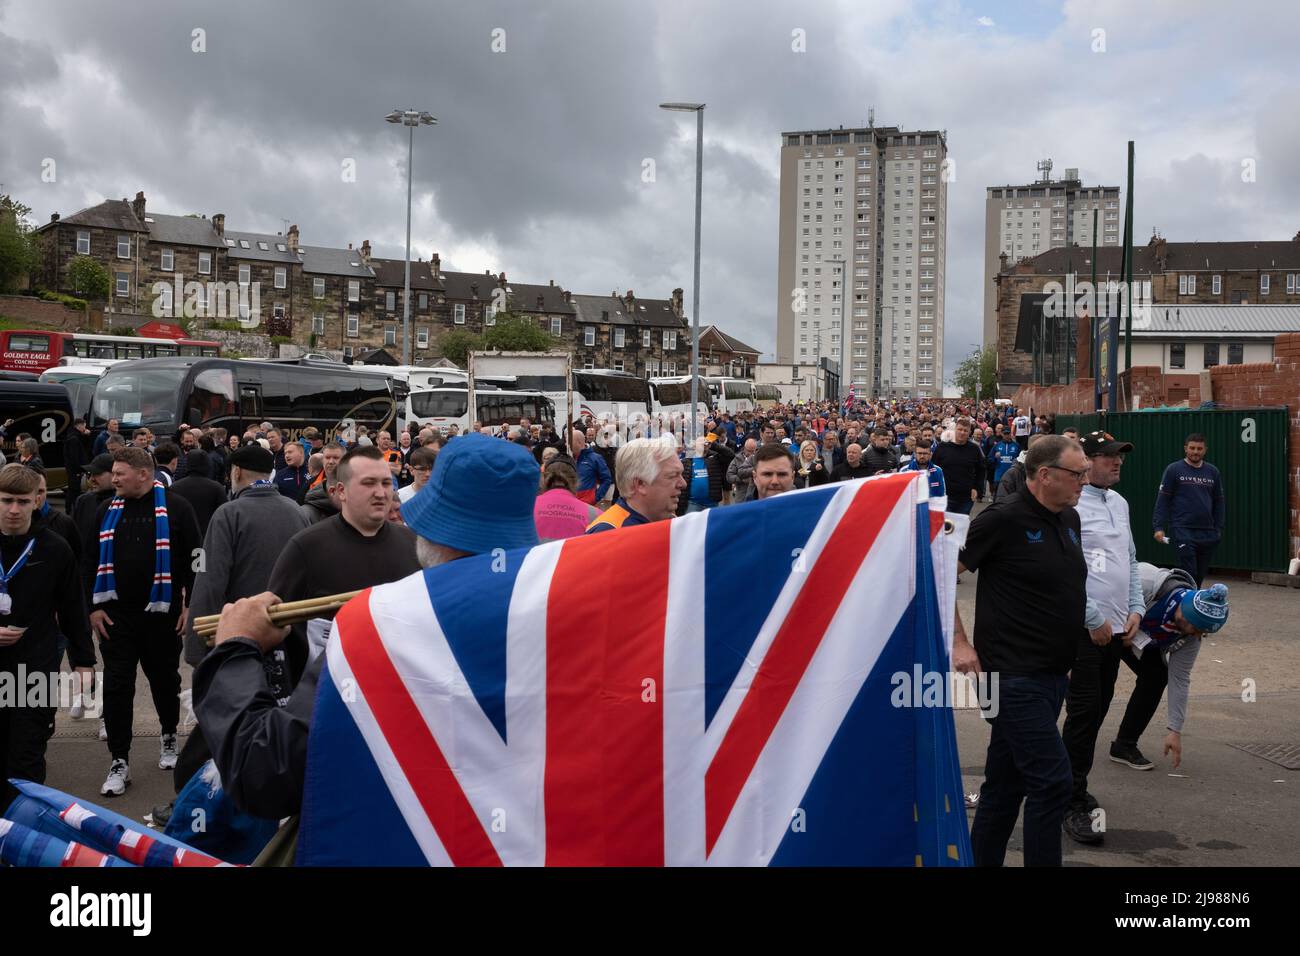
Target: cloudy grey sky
x=536, y=165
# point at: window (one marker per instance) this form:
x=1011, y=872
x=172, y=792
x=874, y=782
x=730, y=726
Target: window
x=280, y=278
x=620, y=337
x=1216, y=285
x=589, y=335
x=557, y=325
x=670, y=340
x=390, y=335
x=354, y=290
x=1292, y=282
x=263, y=246
x=123, y=283
x=458, y=313
x=618, y=365
x=424, y=300
x=29, y=343
x=1177, y=355
x=390, y=300
x=422, y=337
x=318, y=324
x=489, y=314
x=83, y=243
x=1263, y=284
x=243, y=243
x=244, y=275
x=1187, y=285
x=354, y=326
x=1234, y=353
x=168, y=260
x=645, y=339
x=124, y=247
x=165, y=300
x=1211, y=352
x=318, y=288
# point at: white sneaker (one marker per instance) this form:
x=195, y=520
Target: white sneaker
x=167, y=753
x=103, y=729
x=119, y=775
x=78, y=708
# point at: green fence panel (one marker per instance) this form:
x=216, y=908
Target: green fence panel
x=1247, y=445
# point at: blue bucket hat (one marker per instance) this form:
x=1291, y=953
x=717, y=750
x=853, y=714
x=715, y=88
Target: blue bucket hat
x=480, y=496
x=1207, y=609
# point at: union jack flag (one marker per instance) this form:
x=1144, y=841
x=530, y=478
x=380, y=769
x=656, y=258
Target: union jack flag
x=715, y=689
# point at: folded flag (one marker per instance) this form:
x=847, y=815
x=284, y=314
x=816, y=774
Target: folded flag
x=72, y=821
x=22, y=846
x=586, y=703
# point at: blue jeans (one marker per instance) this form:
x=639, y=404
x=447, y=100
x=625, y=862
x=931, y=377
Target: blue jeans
x=1027, y=761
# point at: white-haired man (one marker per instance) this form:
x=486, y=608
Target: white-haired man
x=648, y=474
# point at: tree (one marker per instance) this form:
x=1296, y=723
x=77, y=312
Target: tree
x=982, y=365
x=19, y=254
x=457, y=344
x=518, y=333
x=88, y=278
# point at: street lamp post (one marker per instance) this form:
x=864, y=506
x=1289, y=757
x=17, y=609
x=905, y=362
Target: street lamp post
x=698, y=110
x=410, y=119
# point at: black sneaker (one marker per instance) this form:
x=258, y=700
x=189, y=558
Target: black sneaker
x=1130, y=756
x=1078, y=824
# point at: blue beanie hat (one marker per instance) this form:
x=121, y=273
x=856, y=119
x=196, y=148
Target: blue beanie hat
x=1207, y=609
x=480, y=496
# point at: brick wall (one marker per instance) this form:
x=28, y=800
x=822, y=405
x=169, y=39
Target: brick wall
x=1271, y=383
x=1056, y=399
x=41, y=314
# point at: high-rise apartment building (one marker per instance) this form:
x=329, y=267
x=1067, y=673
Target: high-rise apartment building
x=862, y=248
x=1022, y=221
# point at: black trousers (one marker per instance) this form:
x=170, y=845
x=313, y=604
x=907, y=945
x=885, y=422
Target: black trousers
x=24, y=733
x=1194, y=557
x=1092, y=686
x=147, y=640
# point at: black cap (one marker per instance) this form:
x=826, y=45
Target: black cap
x=1101, y=443
x=253, y=457
x=100, y=464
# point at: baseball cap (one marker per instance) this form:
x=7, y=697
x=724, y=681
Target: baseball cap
x=100, y=464
x=1101, y=443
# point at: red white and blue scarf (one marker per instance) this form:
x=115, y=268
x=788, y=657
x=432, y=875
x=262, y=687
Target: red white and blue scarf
x=160, y=595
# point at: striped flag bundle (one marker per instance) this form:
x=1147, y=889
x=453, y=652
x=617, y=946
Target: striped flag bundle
x=711, y=690
x=43, y=823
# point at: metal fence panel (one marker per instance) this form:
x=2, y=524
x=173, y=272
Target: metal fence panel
x=1247, y=445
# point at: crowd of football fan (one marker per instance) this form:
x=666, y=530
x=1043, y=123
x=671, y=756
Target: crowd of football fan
x=161, y=530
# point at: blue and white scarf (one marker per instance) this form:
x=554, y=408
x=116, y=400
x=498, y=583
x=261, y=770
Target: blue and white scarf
x=160, y=595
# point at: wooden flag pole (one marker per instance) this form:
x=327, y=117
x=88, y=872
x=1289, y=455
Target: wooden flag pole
x=292, y=612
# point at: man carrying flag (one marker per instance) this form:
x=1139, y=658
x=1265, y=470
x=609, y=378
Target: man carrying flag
x=480, y=497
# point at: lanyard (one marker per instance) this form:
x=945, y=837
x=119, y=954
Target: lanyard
x=7, y=576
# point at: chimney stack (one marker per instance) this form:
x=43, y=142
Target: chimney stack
x=435, y=265
x=679, y=306
x=219, y=223
x=137, y=206
x=293, y=238
x=365, y=251
x=54, y=217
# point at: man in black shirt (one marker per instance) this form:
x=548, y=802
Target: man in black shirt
x=39, y=596
x=140, y=620
x=963, y=468
x=197, y=487
x=853, y=466
x=1030, y=605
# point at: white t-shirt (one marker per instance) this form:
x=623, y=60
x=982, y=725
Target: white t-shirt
x=406, y=494
x=1020, y=426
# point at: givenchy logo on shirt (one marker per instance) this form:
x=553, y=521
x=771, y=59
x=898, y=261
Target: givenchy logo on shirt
x=1034, y=537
